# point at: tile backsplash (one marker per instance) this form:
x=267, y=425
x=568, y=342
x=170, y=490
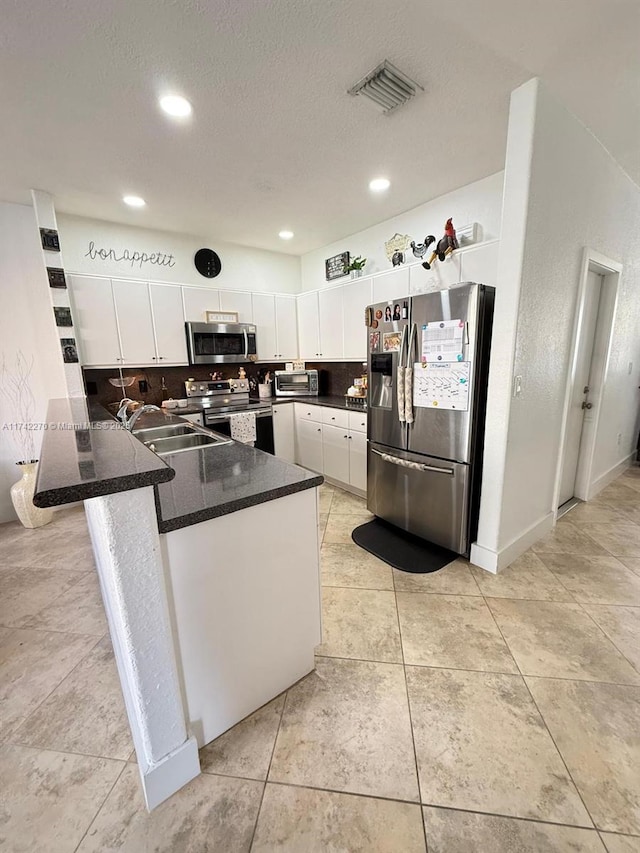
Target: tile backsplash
x=335, y=377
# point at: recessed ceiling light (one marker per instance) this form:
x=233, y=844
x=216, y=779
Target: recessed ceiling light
x=134, y=200
x=176, y=106
x=285, y=235
x=379, y=185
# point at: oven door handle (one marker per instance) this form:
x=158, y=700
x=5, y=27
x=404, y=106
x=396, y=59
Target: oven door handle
x=209, y=419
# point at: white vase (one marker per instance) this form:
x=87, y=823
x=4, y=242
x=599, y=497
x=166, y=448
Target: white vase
x=22, y=496
x=356, y=273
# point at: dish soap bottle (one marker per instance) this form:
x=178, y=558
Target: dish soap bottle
x=164, y=391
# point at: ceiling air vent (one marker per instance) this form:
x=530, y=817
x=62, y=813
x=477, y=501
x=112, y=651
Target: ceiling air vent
x=387, y=87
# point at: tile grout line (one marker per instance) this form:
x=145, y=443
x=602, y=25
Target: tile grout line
x=266, y=778
x=406, y=690
x=100, y=807
x=611, y=640
x=535, y=704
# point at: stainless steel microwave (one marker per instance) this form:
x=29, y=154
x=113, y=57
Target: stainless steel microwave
x=296, y=383
x=219, y=343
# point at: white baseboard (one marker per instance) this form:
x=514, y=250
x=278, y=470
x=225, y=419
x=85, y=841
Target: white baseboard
x=346, y=487
x=609, y=476
x=172, y=773
x=493, y=561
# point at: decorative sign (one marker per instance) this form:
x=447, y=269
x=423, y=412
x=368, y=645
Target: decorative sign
x=398, y=243
x=298, y=365
x=63, y=316
x=50, y=239
x=69, y=351
x=336, y=267
x=130, y=256
x=207, y=262
x=444, y=385
x=56, y=277
x=222, y=316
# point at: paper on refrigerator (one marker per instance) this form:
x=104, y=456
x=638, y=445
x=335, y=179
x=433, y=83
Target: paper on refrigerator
x=442, y=385
x=442, y=340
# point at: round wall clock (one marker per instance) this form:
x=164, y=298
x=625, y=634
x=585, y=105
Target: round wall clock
x=207, y=262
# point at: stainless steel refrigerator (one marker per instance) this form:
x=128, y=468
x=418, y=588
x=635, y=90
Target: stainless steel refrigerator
x=424, y=454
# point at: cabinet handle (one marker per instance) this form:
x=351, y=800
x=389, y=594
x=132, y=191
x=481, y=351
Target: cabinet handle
x=153, y=358
x=345, y=436
x=161, y=357
x=318, y=430
x=350, y=437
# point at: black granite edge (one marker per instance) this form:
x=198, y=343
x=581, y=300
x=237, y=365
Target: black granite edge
x=235, y=505
x=83, y=490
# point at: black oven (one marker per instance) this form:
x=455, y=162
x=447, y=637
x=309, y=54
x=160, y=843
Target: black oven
x=219, y=422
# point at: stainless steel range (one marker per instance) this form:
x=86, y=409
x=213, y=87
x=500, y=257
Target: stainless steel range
x=221, y=398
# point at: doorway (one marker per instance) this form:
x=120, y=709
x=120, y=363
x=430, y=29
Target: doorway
x=592, y=341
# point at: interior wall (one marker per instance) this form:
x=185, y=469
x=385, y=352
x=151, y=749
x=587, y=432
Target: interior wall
x=26, y=326
x=479, y=202
x=571, y=194
x=243, y=268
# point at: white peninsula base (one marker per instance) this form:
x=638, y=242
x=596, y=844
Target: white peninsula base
x=244, y=602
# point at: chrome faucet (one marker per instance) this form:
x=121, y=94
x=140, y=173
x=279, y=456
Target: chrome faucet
x=122, y=411
x=130, y=423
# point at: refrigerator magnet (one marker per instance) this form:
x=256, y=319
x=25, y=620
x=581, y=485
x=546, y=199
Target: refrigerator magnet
x=378, y=314
x=396, y=312
x=374, y=324
x=387, y=314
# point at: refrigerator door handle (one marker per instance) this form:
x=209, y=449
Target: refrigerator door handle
x=403, y=340
x=412, y=337
x=416, y=466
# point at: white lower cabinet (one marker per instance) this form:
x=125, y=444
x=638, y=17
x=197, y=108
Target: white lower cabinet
x=332, y=442
x=335, y=450
x=284, y=432
x=309, y=444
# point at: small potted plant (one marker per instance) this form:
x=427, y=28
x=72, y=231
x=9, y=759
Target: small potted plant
x=356, y=266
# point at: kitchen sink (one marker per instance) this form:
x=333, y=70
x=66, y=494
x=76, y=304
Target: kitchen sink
x=167, y=431
x=179, y=443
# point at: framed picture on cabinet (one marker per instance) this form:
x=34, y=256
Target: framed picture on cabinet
x=222, y=316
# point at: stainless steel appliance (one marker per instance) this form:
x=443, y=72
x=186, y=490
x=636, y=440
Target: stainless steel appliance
x=424, y=465
x=296, y=383
x=217, y=343
x=219, y=399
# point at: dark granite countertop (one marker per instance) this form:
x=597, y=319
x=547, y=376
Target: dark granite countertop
x=94, y=455
x=86, y=453
x=332, y=401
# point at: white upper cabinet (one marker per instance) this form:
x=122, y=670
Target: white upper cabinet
x=238, y=301
x=168, y=322
x=330, y=312
x=355, y=298
x=199, y=300
x=308, y=326
x=391, y=285
x=94, y=317
x=264, y=316
x=481, y=264
x=133, y=309
x=286, y=327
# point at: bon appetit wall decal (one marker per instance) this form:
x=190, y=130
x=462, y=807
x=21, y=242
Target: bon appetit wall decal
x=129, y=256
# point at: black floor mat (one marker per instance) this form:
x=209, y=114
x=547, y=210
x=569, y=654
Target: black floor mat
x=401, y=550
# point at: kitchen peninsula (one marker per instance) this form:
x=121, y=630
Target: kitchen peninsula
x=210, y=617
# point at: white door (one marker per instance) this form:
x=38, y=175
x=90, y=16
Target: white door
x=581, y=401
x=133, y=309
x=355, y=298
x=238, y=301
x=264, y=316
x=168, y=322
x=199, y=300
x=309, y=444
x=330, y=312
x=358, y=460
x=94, y=315
x=335, y=451
x=284, y=432
x=393, y=285
x=308, y=328
x=286, y=327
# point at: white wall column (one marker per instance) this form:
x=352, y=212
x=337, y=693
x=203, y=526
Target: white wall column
x=126, y=546
x=59, y=297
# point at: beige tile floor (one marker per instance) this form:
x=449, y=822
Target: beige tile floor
x=468, y=712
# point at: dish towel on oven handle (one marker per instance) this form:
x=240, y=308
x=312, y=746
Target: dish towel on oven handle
x=400, y=390
x=243, y=427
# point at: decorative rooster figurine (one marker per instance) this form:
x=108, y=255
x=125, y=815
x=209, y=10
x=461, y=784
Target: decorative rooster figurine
x=446, y=245
x=420, y=249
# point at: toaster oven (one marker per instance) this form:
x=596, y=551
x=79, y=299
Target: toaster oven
x=296, y=383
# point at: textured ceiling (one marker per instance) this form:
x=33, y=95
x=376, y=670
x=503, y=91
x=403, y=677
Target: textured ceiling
x=274, y=141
